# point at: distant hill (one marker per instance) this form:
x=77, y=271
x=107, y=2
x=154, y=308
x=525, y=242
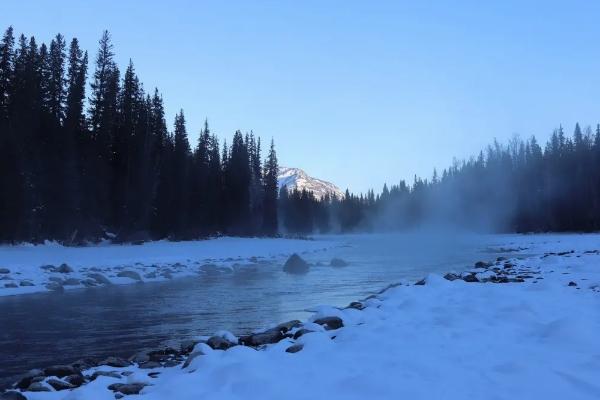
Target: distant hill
x=296, y=178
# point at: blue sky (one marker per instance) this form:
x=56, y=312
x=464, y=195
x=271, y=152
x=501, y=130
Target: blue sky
x=359, y=93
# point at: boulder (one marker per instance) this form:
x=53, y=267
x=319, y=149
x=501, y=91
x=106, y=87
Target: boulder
x=61, y=371
x=130, y=274
x=38, y=387
x=330, y=323
x=27, y=378
x=572, y=283
x=26, y=283
x=259, y=339
x=116, y=362
x=127, y=388
x=301, y=332
x=58, y=384
x=482, y=264
x=150, y=365
x=338, y=262
x=294, y=348
x=75, y=380
x=295, y=265
x=10, y=285
x=110, y=374
x=64, y=269
x=357, y=305
x=99, y=278
x=470, y=278
x=4, y=271
x=219, y=343
x=286, y=326
x=187, y=346
x=451, y=276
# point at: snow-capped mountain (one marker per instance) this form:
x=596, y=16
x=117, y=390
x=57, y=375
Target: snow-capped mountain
x=296, y=178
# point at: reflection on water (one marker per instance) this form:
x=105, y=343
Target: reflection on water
x=52, y=328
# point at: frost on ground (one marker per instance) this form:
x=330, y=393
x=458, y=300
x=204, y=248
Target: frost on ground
x=518, y=328
x=29, y=268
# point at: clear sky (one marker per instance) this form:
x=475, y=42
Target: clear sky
x=355, y=92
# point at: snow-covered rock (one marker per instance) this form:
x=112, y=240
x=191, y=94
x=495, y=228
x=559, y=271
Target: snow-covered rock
x=295, y=178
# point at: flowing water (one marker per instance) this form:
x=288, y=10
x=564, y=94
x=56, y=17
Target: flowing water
x=44, y=329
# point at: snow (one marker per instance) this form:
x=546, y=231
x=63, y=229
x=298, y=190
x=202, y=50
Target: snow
x=295, y=178
x=444, y=339
x=37, y=265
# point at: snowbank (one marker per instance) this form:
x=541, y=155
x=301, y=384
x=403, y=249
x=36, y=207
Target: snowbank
x=33, y=268
x=535, y=337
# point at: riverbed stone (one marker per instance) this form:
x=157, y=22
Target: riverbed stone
x=38, y=387
x=295, y=265
x=130, y=274
x=219, y=343
x=301, y=332
x=75, y=380
x=110, y=374
x=482, y=264
x=259, y=339
x=99, y=278
x=150, y=365
x=470, y=278
x=338, y=262
x=294, y=348
x=451, y=276
x=61, y=371
x=12, y=395
x=26, y=379
x=127, y=388
x=58, y=384
x=187, y=346
x=116, y=362
x=289, y=325
x=64, y=269
x=330, y=323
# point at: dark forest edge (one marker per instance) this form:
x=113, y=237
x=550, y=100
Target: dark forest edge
x=77, y=170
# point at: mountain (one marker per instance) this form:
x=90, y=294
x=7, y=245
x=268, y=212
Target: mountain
x=296, y=178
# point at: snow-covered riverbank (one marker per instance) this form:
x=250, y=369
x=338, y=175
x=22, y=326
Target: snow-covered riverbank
x=35, y=268
x=466, y=338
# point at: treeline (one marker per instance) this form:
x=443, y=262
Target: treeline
x=516, y=187
x=75, y=170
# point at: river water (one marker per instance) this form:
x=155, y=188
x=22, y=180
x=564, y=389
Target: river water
x=38, y=330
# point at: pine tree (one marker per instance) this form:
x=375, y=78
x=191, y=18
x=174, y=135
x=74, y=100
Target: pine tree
x=271, y=171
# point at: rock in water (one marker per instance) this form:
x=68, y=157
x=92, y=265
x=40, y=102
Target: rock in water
x=295, y=265
x=61, y=371
x=219, y=343
x=4, y=271
x=338, y=262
